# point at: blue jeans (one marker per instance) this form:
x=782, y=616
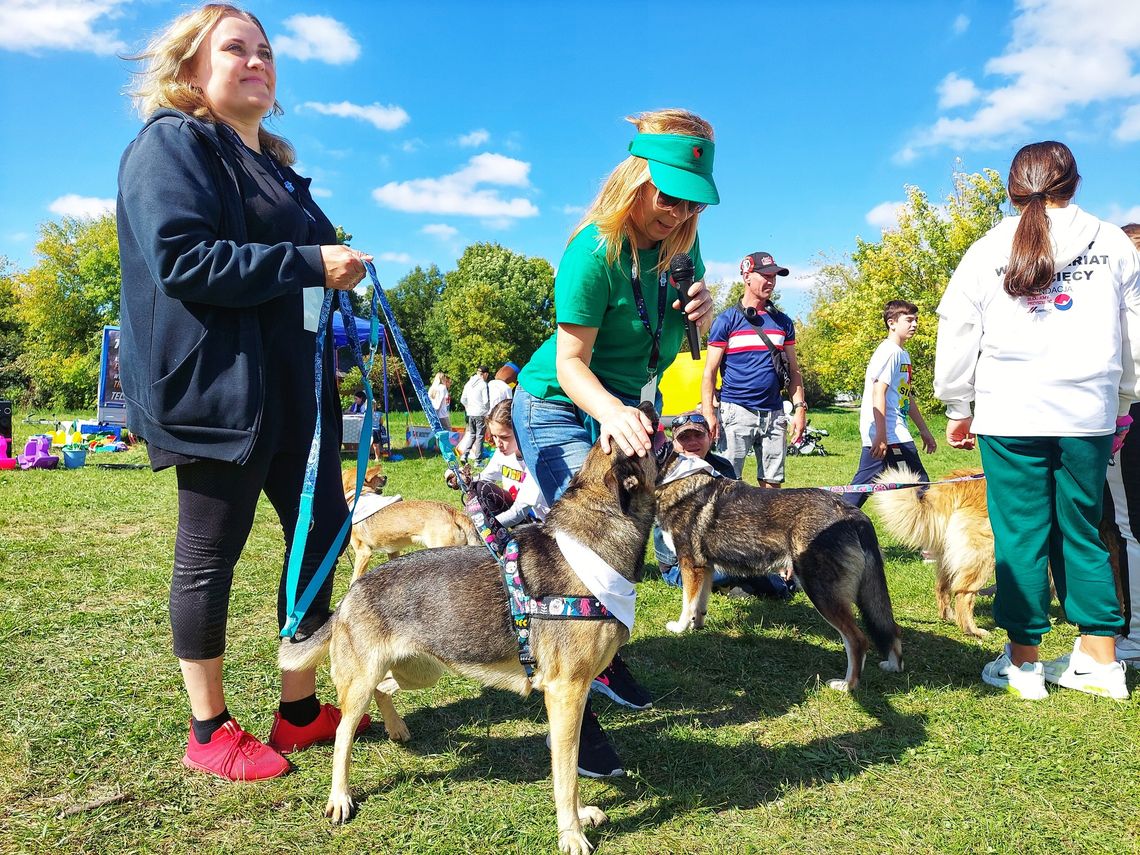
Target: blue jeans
x=554, y=438
x=903, y=453
x=771, y=585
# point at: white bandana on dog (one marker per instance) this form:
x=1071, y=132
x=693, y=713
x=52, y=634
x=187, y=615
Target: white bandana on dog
x=370, y=503
x=612, y=589
x=687, y=466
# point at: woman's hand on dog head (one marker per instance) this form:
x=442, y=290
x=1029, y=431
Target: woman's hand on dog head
x=629, y=428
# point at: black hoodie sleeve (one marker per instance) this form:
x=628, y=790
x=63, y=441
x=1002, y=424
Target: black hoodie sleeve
x=176, y=207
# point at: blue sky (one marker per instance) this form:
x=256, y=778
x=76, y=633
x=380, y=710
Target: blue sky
x=430, y=125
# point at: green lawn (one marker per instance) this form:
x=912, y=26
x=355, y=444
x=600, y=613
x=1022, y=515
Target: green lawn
x=744, y=750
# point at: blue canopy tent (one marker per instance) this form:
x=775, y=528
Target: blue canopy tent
x=363, y=332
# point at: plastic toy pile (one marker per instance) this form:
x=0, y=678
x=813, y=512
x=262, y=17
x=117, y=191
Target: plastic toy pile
x=73, y=442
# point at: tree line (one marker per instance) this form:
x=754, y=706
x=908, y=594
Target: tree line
x=498, y=305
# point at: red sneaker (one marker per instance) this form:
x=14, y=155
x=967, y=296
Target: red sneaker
x=286, y=737
x=234, y=755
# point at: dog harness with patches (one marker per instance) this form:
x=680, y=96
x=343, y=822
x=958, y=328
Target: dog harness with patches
x=522, y=605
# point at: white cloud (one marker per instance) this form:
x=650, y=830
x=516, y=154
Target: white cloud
x=320, y=192
x=395, y=257
x=724, y=272
x=440, y=230
x=574, y=210
x=74, y=205
x=885, y=215
x=1123, y=216
x=1129, y=129
x=955, y=91
x=317, y=37
x=1064, y=55
x=409, y=146
x=460, y=193
x=961, y=24
x=385, y=118
x=32, y=26
x=474, y=138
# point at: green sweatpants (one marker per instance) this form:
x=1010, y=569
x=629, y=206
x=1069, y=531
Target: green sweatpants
x=1044, y=495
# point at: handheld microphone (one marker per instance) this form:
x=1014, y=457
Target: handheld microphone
x=681, y=274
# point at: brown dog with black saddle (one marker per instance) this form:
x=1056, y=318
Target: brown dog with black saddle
x=447, y=610
x=718, y=523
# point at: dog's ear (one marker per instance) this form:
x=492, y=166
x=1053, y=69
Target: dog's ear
x=623, y=478
x=648, y=409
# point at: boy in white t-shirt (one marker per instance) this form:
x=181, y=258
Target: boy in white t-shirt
x=888, y=398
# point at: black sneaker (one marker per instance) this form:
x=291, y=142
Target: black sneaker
x=619, y=685
x=596, y=756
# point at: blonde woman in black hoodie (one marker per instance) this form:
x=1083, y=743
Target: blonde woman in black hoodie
x=225, y=257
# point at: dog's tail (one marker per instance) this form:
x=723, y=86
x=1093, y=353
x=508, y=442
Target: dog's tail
x=874, y=600
x=303, y=655
x=904, y=513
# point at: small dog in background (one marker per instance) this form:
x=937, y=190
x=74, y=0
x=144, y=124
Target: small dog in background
x=952, y=522
x=374, y=481
x=393, y=526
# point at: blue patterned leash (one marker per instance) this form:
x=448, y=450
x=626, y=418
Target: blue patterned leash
x=295, y=607
x=893, y=485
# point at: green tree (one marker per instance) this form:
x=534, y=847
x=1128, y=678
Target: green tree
x=13, y=378
x=64, y=301
x=911, y=262
x=497, y=306
x=412, y=301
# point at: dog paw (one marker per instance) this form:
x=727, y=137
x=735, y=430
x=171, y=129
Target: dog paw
x=339, y=808
x=574, y=842
x=891, y=665
x=398, y=731
x=839, y=685
x=978, y=632
x=592, y=816
x=678, y=626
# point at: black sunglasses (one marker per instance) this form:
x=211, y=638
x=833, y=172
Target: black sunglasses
x=694, y=418
x=664, y=200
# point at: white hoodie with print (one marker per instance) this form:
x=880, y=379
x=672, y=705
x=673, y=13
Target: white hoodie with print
x=1063, y=363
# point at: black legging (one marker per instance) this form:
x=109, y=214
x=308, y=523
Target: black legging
x=216, y=504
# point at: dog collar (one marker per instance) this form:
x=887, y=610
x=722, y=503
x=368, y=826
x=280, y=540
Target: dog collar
x=613, y=590
x=687, y=466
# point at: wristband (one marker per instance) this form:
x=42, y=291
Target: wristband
x=1122, y=425
x=802, y=405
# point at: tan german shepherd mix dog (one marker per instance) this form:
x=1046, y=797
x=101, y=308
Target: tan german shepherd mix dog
x=718, y=523
x=402, y=525
x=952, y=522
x=442, y=610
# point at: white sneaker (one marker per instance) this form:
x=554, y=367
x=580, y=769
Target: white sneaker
x=1128, y=650
x=1026, y=681
x=1078, y=670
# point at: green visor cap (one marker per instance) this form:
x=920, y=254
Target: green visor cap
x=680, y=165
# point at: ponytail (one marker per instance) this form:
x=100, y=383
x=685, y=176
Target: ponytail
x=1040, y=172
x=1030, y=268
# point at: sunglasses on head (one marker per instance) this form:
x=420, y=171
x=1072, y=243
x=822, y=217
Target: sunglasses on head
x=664, y=200
x=688, y=418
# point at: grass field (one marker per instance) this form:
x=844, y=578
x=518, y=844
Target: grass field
x=744, y=750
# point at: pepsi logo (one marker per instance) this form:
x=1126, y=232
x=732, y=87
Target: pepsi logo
x=1063, y=302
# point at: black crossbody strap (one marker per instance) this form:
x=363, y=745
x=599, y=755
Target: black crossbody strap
x=779, y=359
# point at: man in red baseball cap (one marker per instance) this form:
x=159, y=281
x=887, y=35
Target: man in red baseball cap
x=752, y=344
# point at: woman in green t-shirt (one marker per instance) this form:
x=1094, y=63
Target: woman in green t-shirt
x=619, y=328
